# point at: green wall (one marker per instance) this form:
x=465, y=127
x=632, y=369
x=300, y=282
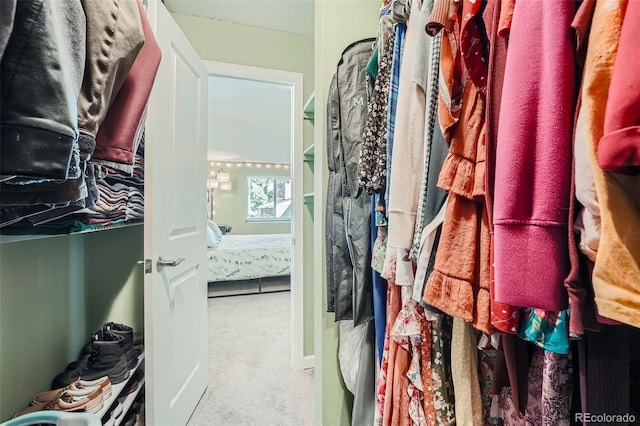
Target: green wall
x=338, y=23
x=54, y=292
x=246, y=45
x=231, y=206
x=258, y=47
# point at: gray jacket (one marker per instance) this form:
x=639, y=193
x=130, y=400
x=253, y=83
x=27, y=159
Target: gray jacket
x=41, y=75
x=348, y=209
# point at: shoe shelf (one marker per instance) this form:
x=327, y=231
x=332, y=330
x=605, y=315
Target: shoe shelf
x=128, y=402
x=117, y=389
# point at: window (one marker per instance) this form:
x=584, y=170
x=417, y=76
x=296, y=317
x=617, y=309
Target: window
x=269, y=198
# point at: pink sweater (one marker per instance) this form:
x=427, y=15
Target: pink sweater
x=533, y=157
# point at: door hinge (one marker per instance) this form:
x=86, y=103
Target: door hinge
x=147, y=265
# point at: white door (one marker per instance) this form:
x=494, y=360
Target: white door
x=175, y=296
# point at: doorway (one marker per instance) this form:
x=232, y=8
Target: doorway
x=293, y=82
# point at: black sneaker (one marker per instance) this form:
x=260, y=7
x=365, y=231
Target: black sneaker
x=106, y=359
x=127, y=346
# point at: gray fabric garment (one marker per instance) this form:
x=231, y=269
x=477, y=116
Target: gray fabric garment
x=432, y=197
x=400, y=10
x=39, y=116
x=358, y=222
x=364, y=398
x=351, y=255
x=334, y=218
x=7, y=14
x=421, y=61
x=436, y=148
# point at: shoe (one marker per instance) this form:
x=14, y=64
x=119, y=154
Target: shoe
x=130, y=419
x=138, y=349
x=132, y=353
x=138, y=338
x=108, y=420
x=127, y=345
x=117, y=410
x=106, y=359
x=132, y=384
x=77, y=389
x=63, y=401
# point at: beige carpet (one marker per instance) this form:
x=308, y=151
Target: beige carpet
x=251, y=381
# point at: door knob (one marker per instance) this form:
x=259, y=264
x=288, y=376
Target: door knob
x=162, y=263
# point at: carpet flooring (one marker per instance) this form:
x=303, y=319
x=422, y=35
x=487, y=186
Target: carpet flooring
x=251, y=381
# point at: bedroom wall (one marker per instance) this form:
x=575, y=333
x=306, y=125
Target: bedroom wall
x=258, y=47
x=231, y=206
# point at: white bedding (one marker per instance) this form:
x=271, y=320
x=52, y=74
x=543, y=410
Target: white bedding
x=244, y=257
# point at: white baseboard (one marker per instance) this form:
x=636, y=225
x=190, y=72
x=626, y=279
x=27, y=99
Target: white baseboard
x=308, y=361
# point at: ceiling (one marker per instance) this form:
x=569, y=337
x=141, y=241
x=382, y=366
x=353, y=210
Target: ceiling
x=249, y=120
x=292, y=16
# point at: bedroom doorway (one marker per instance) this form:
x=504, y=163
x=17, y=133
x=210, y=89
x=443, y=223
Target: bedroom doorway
x=261, y=164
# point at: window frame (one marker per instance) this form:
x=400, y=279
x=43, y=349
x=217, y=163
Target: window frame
x=266, y=219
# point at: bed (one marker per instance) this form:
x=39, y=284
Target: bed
x=246, y=257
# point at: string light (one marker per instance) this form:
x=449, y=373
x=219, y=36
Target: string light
x=257, y=164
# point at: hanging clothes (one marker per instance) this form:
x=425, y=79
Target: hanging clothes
x=532, y=177
x=459, y=284
x=372, y=165
x=39, y=123
x=348, y=206
x=616, y=272
x=497, y=19
x=619, y=148
x=7, y=14
x=408, y=151
x=121, y=131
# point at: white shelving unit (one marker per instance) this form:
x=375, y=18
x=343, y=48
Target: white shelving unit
x=26, y=237
x=308, y=198
x=309, y=107
x=117, y=389
x=309, y=153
